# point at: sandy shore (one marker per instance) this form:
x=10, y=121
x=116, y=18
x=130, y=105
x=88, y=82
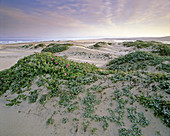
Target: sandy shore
x=11, y=53
x=13, y=123
x=30, y=120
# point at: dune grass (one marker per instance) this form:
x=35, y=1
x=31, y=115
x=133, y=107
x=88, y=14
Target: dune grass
x=141, y=44
x=98, y=45
x=53, y=48
x=27, y=46
x=157, y=47
x=140, y=60
x=41, y=45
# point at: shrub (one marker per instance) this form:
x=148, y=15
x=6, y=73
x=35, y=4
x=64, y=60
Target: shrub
x=159, y=106
x=33, y=96
x=141, y=44
x=98, y=45
x=163, y=49
x=139, y=60
x=53, y=48
x=27, y=46
x=158, y=47
x=40, y=45
x=51, y=44
x=132, y=58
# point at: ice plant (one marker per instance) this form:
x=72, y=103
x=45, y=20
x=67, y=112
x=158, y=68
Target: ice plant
x=1, y=78
x=30, y=81
x=67, y=65
x=56, y=67
x=52, y=59
x=56, y=63
x=18, y=90
x=64, y=73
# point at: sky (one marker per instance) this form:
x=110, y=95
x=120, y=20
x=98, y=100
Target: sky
x=84, y=18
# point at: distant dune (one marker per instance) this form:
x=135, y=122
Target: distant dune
x=166, y=38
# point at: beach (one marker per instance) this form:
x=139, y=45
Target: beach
x=30, y=119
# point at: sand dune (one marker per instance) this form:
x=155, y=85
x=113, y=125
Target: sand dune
x=30, y=119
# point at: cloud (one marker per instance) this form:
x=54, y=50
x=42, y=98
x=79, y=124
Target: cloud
x=149, y=11
x=109, y=14
x=120, y=8
x=48, y=2
x=85, y=17
x=44, y=23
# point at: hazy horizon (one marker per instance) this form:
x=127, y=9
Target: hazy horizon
x=50, y=19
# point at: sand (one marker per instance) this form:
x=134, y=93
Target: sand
x=30, y=119
x=11, y=53
x=13, y=123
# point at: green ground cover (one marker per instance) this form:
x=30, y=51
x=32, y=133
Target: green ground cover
x=157, y=47
x=53, y=48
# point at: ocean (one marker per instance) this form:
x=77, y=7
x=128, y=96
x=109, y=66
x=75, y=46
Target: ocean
x=10, y=41
x=23, y=40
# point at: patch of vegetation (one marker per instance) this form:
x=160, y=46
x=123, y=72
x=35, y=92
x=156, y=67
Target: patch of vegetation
x=157, y=47
x=93, y=130
x=109, y=43
x=33, y=96
x=51, y=44
x=41, y=82
x=50, y=121
x=43, y=99
x=97, y=88
x=133, y=131
x=139, y=60
x=85, y=125
x=40, y=45
x=165, y=85
x=141, y=44
x=17, y=100
x=72, y=107
x=27, y=46
x=98, y=45
x=114, y=115
x=64, y=120
x=163, y=49
x=158, y=132
x=160, y=107
x=22, y=74
x=75, y=119
x=137, y=117
x=53, y=48
x=89, y=101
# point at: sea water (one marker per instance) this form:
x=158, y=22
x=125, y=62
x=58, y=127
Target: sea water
x=25, y=40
